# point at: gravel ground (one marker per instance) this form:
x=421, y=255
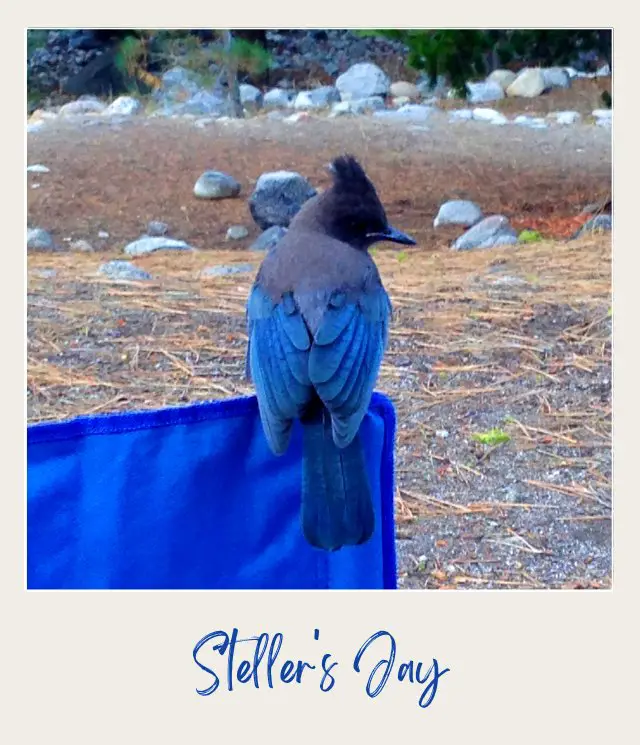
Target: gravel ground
x=516, y=340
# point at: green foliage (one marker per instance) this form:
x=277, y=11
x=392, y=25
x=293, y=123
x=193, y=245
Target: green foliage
x=36, y=39
x=529, y=236
x=492, y=438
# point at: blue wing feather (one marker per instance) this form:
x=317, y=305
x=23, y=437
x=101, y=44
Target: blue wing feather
x=278, y=352
x=345, y=359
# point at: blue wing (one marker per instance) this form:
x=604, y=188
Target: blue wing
x=345, y=358
x=277, y=360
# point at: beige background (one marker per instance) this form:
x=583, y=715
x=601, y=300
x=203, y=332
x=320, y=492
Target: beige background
x=92, y=667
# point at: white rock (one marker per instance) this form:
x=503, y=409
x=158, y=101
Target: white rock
x=124, y=106
x=34, y=126
x=362, y=80
x=37, y=169
x=565, y=117
x=277, y=98
x=458, y=212
x=602, y=113
x=460, y=115
x=103, y=234
x=366, y=105
x=530, y=83
x=489, y=115
x=403, y=89
x=83, y=106
x=148, y=244
x=534, y=122
x=603, y=71
x=409, y=113
x=484, y=92
x=571, y=72
x=342, y=108
x=400, y=101
x=250, y=97
x=318, y=98
x=225, y=271
x=503, y=78
x=556, y=77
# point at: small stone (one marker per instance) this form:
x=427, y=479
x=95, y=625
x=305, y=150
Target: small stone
x=123, y=270
x=534, y=122
x=277, y=198
x=225, y=271
x=458, y=212
x=490, y=232
x=237, y=233
x=103, y=234
x=460, y=115
x=442, y=434
x=565, y=117
x=489, y=115
x=484, y=92
x=148, y=244
x=342, y=108
x=83, y=106
x=124, y=106
x=45, y=273
x=157, y=228
x=216, y=185
x=268, y=240
x=604, y=71
x=82, y=246
x=37, y=169
x=40, y=240
x=365, y=105
x=530, y=83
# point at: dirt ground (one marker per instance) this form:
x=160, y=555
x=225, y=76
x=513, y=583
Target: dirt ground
x=513, y=339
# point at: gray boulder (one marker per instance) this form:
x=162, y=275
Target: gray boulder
x=216, y=185
x=277, y=198
x=250, y=97
x=83, y=106
x=40, y=240
x=277, y=98
x=490, y=232
x=484, y=92
x=556, y=77
x=362, y=80
x=269, y=239
x=458, y=212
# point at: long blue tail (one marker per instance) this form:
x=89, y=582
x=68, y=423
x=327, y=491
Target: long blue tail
x=337, y=509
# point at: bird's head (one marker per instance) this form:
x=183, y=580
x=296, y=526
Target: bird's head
x=351, y=211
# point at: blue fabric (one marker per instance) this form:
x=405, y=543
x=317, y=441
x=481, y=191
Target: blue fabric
x=190, y=498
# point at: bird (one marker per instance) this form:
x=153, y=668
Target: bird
x=317, y=325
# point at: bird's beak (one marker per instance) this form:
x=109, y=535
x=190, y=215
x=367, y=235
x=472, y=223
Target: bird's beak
x=393, y=235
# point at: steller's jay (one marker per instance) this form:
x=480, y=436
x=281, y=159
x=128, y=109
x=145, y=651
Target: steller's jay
x=318, y=319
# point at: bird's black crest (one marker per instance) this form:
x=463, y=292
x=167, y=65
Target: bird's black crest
x=349, y=175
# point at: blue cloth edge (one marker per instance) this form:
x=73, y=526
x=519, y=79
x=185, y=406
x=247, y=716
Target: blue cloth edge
x=112, y=423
